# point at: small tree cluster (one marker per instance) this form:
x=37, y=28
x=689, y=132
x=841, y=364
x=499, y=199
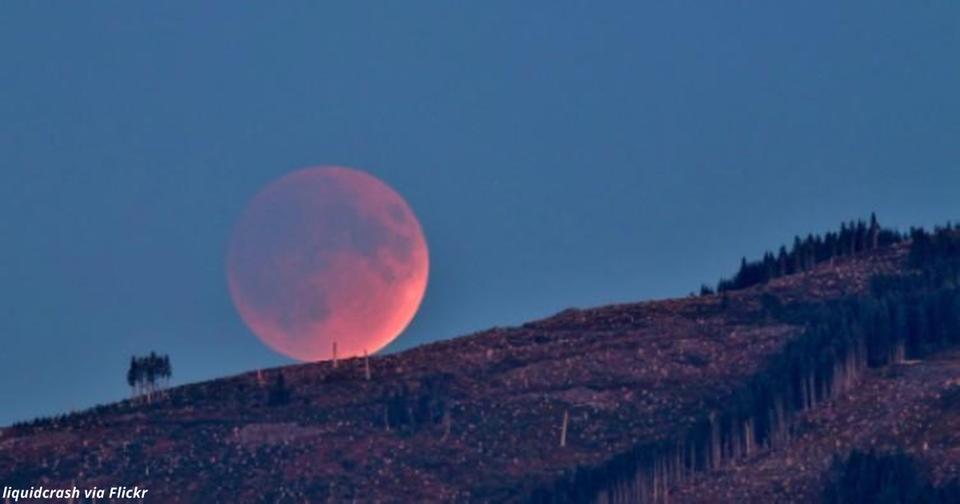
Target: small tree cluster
x=149, y=373
x=806, y=253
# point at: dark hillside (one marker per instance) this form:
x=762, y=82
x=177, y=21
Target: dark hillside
x=622, y=403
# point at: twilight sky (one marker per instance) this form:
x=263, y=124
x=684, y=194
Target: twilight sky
x=557, y=154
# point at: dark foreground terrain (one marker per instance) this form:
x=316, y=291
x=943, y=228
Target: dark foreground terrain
x=835, y=382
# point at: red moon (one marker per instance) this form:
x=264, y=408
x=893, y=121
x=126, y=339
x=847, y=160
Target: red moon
x=327, y=255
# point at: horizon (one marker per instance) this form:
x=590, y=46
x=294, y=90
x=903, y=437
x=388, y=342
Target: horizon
x=904, y=233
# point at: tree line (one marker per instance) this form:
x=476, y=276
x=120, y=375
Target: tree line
x=852, y=238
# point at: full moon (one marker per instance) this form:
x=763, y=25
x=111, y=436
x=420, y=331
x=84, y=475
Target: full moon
x=325, y=256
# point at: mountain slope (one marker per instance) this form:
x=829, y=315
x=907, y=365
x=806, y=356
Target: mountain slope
x=658, y=398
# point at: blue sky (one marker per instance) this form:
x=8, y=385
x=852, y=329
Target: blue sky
x=558, y=154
